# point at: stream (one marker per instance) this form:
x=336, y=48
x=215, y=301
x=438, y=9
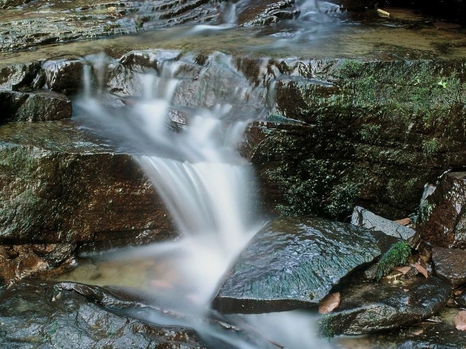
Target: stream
x=188, y=148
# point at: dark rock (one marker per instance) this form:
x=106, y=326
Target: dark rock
x=295, y=262
x=368, y=308
x=442, y=213
x=449, y=265
x=34, y=106
x=17, y=77
x=67, y=315
x=366, y=219
x=64, y=76
x=23, y=261
x=58, y=185
x=335, y=154
x=425, y=335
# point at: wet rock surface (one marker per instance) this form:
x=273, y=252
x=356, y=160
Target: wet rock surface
x=38, y=314
x=58, y=185
x=368, y=308
x=425, y=335
x=58, y=22
x=34, y=106
x=442, y=213
x=294, y=262
x=449, y=265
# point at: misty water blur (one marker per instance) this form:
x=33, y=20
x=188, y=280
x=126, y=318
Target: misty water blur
x=190, y=155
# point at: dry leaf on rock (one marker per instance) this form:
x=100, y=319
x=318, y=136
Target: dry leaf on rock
x=421, y=269
x=403, y=270
x=460, y=320
x=329, y=303
x=404, y=221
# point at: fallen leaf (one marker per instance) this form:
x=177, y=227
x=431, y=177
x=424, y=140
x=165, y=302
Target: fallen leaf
x=460, y=320
x=421, y=269
x=458, y=292
x=403, y=221
x=330, y=302
x=418, y=332
x=403, y=270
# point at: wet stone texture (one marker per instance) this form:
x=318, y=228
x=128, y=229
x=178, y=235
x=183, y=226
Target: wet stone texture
x=369, y=308
x=59, y=186
x=40, y=315
x=294, y=263
x=59, y=21
x=424, y=335
x=449, y=264
x=443, y=222
x=34, y=106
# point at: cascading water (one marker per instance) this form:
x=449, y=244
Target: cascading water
x=188, y=150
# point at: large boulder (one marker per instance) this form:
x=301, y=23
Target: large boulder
x=294, y=263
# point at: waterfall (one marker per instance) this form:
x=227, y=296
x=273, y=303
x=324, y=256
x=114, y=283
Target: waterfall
x=189, y=152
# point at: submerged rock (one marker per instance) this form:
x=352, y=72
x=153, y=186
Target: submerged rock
x=425, y=335
x=368, y=308
x=294, y=263
x=65, y=315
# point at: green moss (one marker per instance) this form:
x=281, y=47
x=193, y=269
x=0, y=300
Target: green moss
x=396, y=255
x=314, y=187
x=325, y=327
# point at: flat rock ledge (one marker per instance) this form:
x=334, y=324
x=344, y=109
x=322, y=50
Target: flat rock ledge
x=368, y=307
x=294, y=263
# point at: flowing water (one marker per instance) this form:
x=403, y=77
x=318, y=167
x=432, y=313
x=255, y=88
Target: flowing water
x=190, y=154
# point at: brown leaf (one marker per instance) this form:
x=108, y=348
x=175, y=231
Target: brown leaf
x=330, y=302
x=403, y=221
x=421, y=269
x=403, y=270
x=418, y=332
x=460, y=320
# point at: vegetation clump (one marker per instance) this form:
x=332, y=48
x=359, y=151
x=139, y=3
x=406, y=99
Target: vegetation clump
x=396, y=255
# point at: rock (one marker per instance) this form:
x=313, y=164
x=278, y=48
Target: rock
x=29, y=260
x=366, y=219
x=21, y=28
x=443, y=222
x=294, y=263
x=260, y=13
x=64, y=76
x=34, y=106
x=60, y=184
x=448, y=264
x=38, y=314
x=334, y=156
x=24, y=76
x=367, y=308
x=425, y=335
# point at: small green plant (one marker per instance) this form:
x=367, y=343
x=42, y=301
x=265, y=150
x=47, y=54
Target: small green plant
x=430, y=147
x=396, y=255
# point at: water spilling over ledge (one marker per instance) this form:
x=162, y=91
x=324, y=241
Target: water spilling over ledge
x=181, y=115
